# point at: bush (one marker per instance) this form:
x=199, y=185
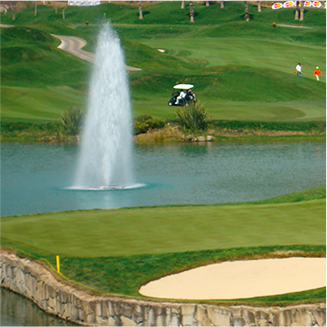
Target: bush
x=140, y=127
x=72, y=120
x=145, y=122
x=192, y=118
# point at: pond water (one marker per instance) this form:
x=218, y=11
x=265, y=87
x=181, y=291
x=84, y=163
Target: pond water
x=18, y=311
x=36, y=178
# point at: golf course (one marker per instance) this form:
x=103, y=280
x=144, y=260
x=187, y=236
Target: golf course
x=243, y=73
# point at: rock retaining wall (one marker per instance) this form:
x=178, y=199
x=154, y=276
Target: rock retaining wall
x=32, y=280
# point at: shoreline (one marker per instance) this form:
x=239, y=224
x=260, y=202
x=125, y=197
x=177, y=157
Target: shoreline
x=227, y=132
x=58, y=297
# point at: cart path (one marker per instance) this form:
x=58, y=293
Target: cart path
x=74, y=45
x=293, y=26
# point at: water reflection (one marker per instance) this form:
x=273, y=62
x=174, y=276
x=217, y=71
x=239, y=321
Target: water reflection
x=18, y=311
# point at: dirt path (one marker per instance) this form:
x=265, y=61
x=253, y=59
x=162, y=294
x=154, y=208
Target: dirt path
x=74, y=45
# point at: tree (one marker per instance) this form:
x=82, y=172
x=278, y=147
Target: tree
x=207, y=3
x=140, y=9
x=302, y=11
x=246, y=9
x=191, y=12
x=222, y=4
x=297, y=11
x=259, y=6
x=183, y=5
x=10, y=6
x=63, y=11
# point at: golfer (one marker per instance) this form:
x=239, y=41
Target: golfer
x=298, y=69
x=316, y=73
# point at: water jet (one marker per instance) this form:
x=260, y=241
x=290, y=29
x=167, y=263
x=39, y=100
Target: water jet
x=105, y=159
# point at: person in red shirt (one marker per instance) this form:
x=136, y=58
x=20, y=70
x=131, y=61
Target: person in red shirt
x=316, y=73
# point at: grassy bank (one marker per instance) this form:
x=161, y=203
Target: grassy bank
x=223, y=131
x=116, y=251
x=33, y=132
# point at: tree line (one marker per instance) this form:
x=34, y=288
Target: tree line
x=14, y=6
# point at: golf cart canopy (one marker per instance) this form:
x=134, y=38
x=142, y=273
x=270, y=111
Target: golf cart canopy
x=183, y=86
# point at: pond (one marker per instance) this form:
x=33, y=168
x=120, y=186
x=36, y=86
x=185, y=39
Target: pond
x=36, y=177
x=18, y=311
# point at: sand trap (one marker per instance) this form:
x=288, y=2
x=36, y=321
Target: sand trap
x=241, y=279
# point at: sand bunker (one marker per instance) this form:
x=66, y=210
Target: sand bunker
x=241, y=279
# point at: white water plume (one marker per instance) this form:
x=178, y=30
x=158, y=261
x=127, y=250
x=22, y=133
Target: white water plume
x=105, y=160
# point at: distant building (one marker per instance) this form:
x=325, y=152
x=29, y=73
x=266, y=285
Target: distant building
x=83, y=2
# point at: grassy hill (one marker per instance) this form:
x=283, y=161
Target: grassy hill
x=241, y=70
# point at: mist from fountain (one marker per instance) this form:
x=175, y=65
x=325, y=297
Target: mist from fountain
x=105, y=159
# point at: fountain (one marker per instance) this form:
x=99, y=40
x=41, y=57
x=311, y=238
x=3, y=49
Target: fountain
x=105, y=159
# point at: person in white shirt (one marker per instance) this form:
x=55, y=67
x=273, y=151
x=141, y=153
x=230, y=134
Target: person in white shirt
x=299, y=70
x=181, y=96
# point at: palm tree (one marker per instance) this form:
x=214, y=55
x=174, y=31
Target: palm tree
x=191, y=12
x=222, y=4
x=302, y=11
x=297, y=11
x=246, y=8
x=140, y=9
x=183, y=5
x=259, y=6
x=35, y=8
x=207, y=3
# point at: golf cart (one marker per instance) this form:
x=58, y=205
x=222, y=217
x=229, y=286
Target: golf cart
x=183, y=96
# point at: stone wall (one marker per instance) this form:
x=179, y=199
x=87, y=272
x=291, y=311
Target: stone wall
x=32, y=280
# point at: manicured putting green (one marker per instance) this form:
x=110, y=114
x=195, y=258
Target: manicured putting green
x=94, y=233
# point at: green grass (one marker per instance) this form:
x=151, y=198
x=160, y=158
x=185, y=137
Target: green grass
x=118, y=250
x=168, y=229
x=241, y=70
x=125, y=275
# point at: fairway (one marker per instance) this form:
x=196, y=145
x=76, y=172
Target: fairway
x=253, y=52
x=241, y=70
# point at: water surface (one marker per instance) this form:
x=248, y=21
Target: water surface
x=18, y=311
x=35, y=177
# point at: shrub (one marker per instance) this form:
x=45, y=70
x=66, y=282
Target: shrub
x=72, y=120
x=192, y=118
x=140, y=127
x=145, y=122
